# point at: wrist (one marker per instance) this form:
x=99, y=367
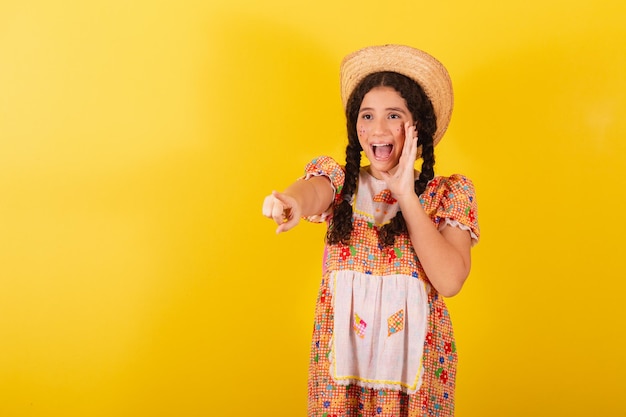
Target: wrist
x=408, y=201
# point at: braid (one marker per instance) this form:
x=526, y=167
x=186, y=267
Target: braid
x=340, y=227
x=427, y=172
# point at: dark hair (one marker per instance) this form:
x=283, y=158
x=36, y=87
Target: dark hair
x=421, y=108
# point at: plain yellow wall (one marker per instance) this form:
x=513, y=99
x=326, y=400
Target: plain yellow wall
x=138, y=139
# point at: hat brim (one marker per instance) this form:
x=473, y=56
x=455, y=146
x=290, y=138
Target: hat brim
x=421, y=67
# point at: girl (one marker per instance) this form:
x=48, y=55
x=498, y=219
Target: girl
x=397, y=241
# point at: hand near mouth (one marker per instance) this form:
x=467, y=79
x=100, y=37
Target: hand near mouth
x=401, y=179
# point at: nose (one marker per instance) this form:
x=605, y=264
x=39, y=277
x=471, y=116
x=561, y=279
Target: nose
x=379, y=126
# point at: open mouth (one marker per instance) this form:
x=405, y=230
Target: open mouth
x=382, y=151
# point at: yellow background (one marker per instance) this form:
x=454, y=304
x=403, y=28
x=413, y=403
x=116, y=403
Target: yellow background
x=138, y=139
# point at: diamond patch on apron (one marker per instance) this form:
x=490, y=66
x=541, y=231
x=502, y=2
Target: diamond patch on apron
x=359, y=326
x=395, y=323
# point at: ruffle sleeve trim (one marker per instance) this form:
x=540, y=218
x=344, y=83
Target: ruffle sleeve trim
x=452, y=202
x=325, y=166
x=456, y=223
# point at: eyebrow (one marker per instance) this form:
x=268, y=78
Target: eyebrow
x=396, y=109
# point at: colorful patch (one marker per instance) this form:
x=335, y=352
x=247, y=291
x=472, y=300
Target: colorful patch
x=359, y=326
x=395, y=323
x=384, y=197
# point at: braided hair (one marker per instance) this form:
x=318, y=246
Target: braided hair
x=421, y=108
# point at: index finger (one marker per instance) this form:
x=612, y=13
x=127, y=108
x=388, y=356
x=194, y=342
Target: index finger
x=286, y=200
x=410, y=140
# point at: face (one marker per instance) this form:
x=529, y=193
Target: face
x=380, y=128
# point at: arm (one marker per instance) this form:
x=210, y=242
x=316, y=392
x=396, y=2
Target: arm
x=303, y=198
x=444, y=255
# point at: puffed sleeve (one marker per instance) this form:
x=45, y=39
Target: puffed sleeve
x=457, y=205
x=327, y=167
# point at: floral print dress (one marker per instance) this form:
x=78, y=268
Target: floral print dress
x=414, y=377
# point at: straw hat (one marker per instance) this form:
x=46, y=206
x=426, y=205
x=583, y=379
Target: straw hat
x=424, y=69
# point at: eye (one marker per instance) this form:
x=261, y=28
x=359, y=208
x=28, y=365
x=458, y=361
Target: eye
x=366, y=116
x=394, y=116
